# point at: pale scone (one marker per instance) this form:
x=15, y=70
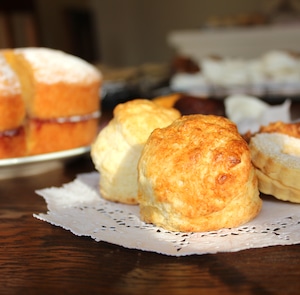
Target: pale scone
x=196, y=175
x=276, y=157
x=118, y=146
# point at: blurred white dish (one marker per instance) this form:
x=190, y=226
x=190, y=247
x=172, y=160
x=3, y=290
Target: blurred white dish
x=249, y=112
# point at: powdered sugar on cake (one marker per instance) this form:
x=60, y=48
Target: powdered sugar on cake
x=9, y=83
x=54, y=66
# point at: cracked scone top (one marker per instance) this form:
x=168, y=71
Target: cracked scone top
x=197, y=175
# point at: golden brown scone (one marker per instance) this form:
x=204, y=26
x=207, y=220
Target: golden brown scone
x=196, y=175
x=118, y=146
x=276, y=157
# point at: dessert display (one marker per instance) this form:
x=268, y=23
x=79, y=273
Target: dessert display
x=58, y=99
x=196, y=175
x=200, y=171
x=118, y=146
x=147, y=174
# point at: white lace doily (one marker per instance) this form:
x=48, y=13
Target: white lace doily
x=78, y=207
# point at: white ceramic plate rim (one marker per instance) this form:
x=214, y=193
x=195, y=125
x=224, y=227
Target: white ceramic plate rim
x=44, y=157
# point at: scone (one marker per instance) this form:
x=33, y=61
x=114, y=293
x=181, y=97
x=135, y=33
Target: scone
x=118, y=146
x=276, y=157
x=197, y=175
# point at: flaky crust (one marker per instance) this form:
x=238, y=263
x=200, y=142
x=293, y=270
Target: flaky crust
x=196, y=175
x=118, y=146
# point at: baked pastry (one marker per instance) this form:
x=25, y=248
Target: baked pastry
x=276, y=157
x=61, y=97
x=12, y=113
x=118, y=146
x=197, y=175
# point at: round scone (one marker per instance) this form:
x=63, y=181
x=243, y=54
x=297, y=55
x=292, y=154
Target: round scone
x=197, y=175
x=276, y=158
x=118, y=146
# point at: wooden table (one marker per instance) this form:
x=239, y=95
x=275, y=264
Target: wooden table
x=38, y=258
